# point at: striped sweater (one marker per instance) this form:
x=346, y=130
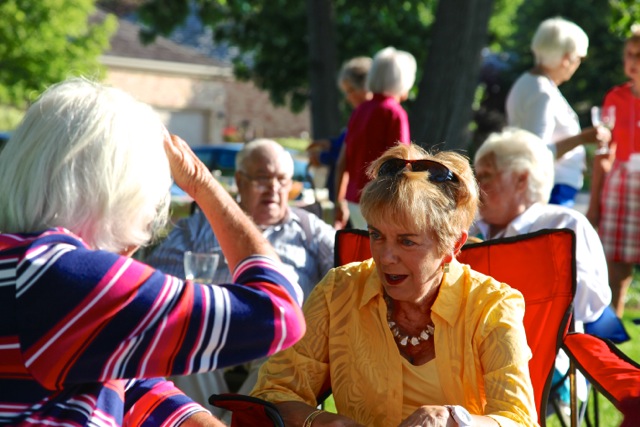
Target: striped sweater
x=85, y=335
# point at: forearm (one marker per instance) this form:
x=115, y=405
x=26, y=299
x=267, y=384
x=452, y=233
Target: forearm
x=484, y=421
x=341, y=178
x=237, y=234
x=565, y=145
x=601, y=165
x=294, y=414
x=202, y=419
x=599, y=135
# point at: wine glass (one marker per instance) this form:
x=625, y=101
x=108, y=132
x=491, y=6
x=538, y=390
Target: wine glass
x=200, y=267
x=603, y=116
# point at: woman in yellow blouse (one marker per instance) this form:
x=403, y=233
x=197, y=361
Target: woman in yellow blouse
x=410, y=337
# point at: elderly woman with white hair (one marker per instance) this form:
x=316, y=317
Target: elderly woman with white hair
x=375, y=126
x=536, y=104
x=514, y=170
x=87, y=332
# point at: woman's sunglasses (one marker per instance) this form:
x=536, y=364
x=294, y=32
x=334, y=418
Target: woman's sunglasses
x=437, y=171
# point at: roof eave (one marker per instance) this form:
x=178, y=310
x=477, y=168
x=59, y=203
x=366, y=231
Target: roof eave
x=179, y=68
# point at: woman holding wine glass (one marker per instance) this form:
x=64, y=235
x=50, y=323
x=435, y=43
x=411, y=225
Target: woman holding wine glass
x=614, y=206
x=536, y=104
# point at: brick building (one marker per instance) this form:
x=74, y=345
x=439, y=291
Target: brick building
x=197, y=96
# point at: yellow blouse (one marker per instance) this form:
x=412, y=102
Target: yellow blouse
x=481, y=349
x=420, y=386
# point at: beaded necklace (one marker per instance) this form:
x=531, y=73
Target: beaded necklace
x=403, y=339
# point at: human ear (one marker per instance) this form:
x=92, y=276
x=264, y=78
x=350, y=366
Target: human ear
x=464, y=235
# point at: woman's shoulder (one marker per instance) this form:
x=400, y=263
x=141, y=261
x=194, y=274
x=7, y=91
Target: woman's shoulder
x=49, y=237
x=530, y=89
x=533, y=82
x=355, y=279
x=488, y=288
x=622, y=91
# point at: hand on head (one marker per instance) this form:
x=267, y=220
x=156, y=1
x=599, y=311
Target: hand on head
x=187, y=170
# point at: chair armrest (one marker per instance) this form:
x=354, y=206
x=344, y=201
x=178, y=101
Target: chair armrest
x=248, y=410
x=610, y=371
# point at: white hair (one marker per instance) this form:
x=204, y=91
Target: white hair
x=260, y=145
x=555, y=38
x=392, y=72
x=88, y=158
x=517, y=150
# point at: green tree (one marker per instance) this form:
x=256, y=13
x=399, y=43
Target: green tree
x=282, y=53
x=45, y=41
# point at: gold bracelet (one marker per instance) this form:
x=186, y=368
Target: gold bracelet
x=312, y=416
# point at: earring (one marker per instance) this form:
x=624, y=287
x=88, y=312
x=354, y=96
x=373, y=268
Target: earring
x=445, y=267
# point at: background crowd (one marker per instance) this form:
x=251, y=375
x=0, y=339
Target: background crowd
x=409, y=337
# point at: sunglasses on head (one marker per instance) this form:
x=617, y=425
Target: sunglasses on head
x=437, y=171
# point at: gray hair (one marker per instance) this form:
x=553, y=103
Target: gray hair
x=88, y=158
x=354, y=72
x=555, y=38
x=263, y=144
x=517, y=150
x=392, y=72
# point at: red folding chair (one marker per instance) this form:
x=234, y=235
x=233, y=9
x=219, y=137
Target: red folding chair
x=611, y=372
x=540, y=265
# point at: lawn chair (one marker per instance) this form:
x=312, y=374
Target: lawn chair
x=609, y=371
x=610, y=328
x=541, y=265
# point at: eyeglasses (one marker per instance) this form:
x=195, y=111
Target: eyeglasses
x=437, y=171
x=263, y=183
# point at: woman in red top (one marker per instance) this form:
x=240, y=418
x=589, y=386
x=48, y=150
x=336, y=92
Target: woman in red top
x=375, y=126
x=615, y=192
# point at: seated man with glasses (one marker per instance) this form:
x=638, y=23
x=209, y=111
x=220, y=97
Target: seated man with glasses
x=264, y=171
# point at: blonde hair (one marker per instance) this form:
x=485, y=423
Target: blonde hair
x=442, y=209
x=91, y=159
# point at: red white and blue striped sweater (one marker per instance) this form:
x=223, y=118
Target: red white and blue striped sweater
x=85, y=334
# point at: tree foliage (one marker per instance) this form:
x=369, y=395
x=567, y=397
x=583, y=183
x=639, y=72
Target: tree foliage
x=273, y=40
x=45, y=41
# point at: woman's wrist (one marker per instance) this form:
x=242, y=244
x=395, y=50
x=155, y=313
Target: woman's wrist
x=312, y=416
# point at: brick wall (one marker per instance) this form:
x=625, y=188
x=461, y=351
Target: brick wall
x=222, y=102
x=247, y=105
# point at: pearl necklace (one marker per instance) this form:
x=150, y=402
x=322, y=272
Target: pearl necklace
x=403, y=339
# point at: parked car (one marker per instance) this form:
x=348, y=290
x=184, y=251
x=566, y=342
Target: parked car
x=4, y=137
x=220, y=157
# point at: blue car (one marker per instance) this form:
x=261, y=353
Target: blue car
x=4, y=137
x=222, y=157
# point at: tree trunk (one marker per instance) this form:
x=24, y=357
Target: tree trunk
x=442, y=111
x=325, y=116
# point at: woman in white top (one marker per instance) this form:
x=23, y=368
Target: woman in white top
x=535, y=103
